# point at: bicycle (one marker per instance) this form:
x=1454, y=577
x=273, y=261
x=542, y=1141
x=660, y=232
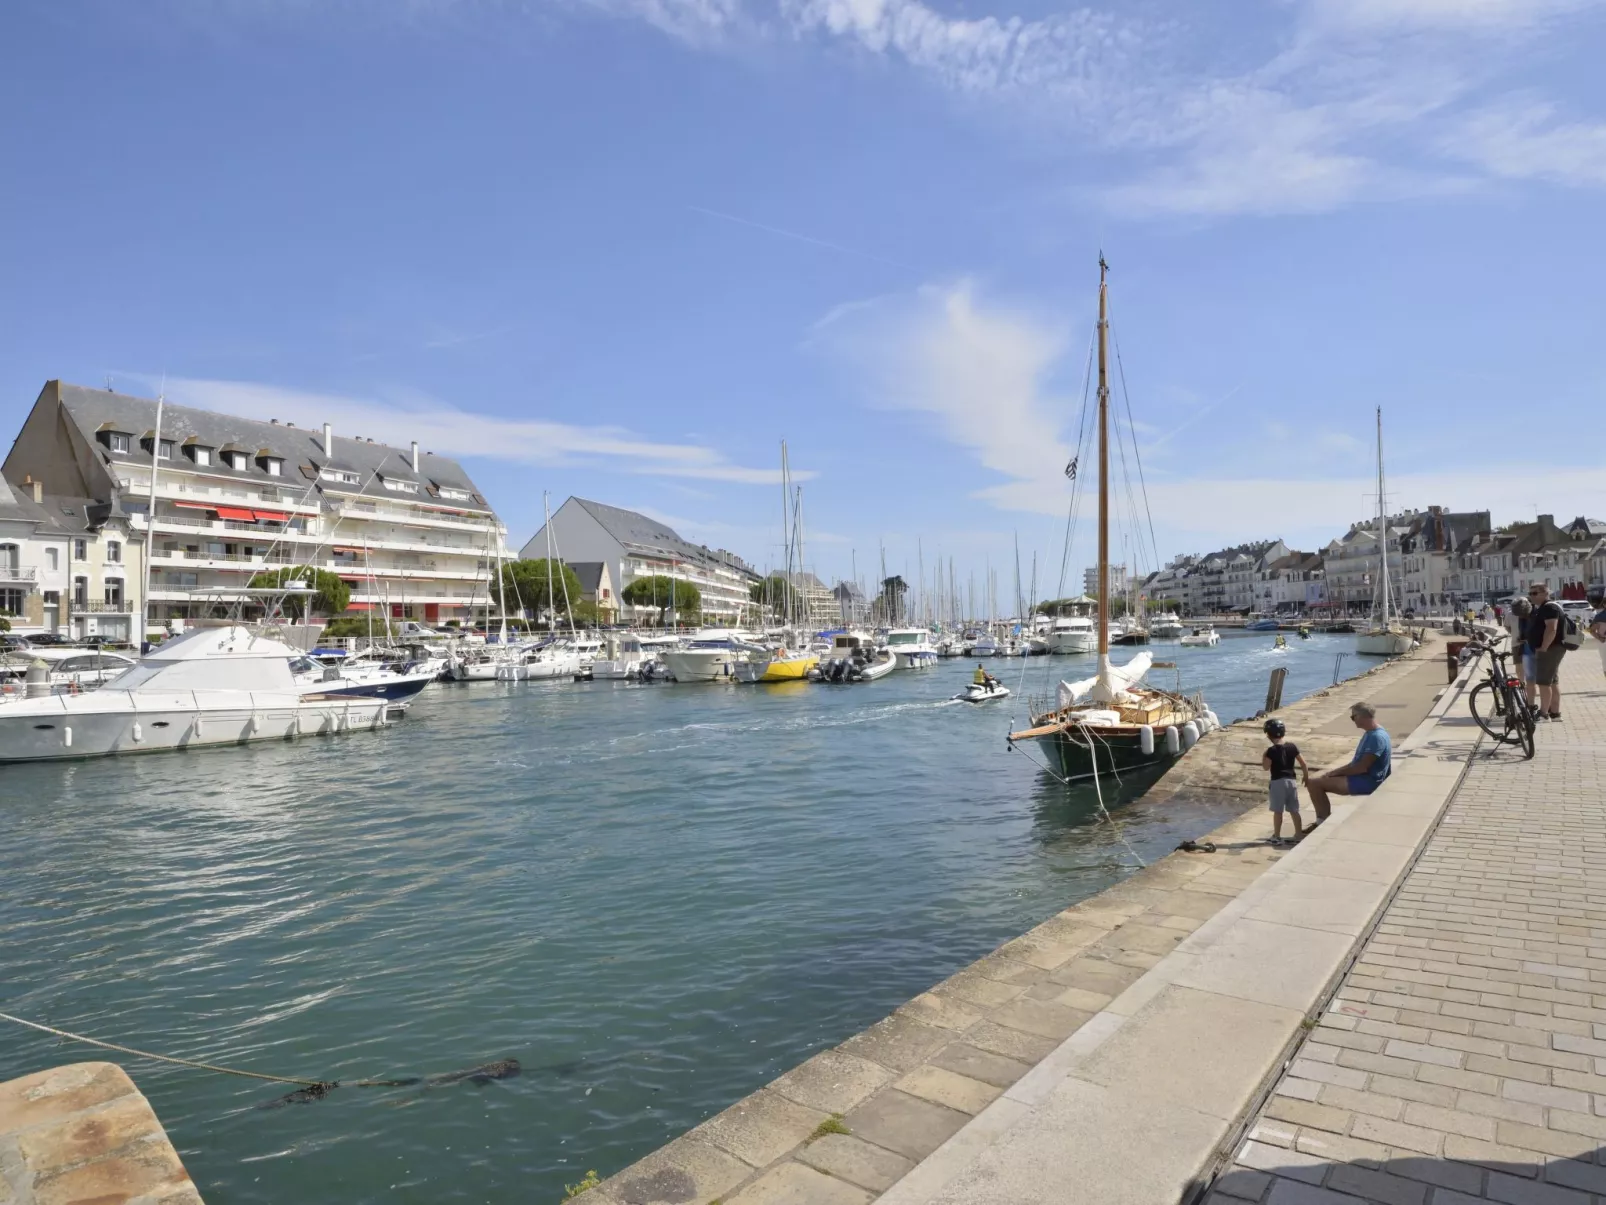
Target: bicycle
x=1498, y=703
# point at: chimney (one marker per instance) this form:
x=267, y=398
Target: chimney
x=38, y=491
x=328, y=442
x=415, y=456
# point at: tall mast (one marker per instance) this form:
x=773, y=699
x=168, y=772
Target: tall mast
x=786, y=531
x=150, y=527
x=1104, y=466
x=1382, y=522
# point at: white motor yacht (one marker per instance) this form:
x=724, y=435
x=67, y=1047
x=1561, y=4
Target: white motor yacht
x=210, y=686
x=1165, y=627
x=711, y=656
x=621, y=657
x=1072, y=634
x=338, y=675
x=1205, y=637
x=912, y=648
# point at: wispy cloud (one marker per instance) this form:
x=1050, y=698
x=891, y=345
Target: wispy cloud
x=1522, y=138
x=460, y=339
x=398, y=416
x=980, y=368
x=826, y=244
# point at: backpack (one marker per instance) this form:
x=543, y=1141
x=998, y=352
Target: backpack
x=1571, y=637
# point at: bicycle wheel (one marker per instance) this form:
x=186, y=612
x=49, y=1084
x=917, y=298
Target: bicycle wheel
x=1520, y=719
x=1489, y=709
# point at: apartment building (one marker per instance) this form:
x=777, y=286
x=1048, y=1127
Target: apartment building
x=33, y=562
x=1428, y=555
x=1120, y=581
x=408, y=531
x=634, y=546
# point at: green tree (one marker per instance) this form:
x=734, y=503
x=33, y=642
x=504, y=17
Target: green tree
x=889, y=603
x=526, y=585
x=663, y=592
x=776, y=594
x=332, y=592
x=357, y=624
x=587, y=614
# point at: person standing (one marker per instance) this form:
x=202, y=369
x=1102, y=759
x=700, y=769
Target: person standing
x=1279, y=760
x=1365, y=771
x=1544, y=633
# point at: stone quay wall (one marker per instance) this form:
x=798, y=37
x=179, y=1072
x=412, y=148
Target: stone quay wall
x=850, y=1122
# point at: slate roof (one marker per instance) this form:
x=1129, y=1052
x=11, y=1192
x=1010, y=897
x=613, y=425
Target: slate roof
x=96, y=410
x=638, y=533
x=589, y=573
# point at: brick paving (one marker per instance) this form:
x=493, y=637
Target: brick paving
x=1464, y=1056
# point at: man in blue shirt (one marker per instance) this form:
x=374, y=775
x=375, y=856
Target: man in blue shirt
x=1365, y=772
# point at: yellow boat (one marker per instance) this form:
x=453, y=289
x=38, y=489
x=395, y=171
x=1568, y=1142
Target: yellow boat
x=790, y=669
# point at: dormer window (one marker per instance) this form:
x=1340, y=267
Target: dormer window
x=455, y=495
x=116, y=441
x=343, y=476
x=166, y=452
x=400, y=487
x=273, y=466
x=239, y=461
x=200, y=454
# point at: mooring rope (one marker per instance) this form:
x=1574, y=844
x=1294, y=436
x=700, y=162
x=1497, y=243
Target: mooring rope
x=165, y=1058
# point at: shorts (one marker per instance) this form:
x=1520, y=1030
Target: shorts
x=1529, y=669
x=1361, y=784
x=1549, y=664
x=1285, y=795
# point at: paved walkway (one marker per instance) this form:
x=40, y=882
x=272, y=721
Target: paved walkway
x=1464, y=1056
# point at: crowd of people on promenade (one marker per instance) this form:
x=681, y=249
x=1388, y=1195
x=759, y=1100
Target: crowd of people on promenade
x=1541, y=633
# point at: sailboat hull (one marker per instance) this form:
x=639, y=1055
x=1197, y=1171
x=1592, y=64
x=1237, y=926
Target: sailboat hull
x=1383, y=644
x=1075, y=760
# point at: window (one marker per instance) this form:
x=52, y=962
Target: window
x=238, y=461
x=114, y=591
x=455, y=495
x=340, y=475
x=166, y=452
x=118, y=441
x=50, y=558
x=114, y=552
x=203, y=456
x=272, y=466
x=80, y=591
x=183, y=579
x=12, y=600
x=80, y=550
x=401, y=487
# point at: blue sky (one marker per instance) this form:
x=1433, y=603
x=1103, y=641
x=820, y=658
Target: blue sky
x=621, y=248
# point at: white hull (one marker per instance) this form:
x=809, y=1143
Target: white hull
x=923, y=659
x=1383, y=643
x=1207, y=641
x=982, y=694
x=701, y=666
x=478, y=671
x=109, y=723
x=1072, y=642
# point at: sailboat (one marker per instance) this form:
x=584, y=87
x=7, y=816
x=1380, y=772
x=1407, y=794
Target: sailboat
x=1111, y=721
x=1385, y=638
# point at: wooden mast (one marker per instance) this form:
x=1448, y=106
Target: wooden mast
x=1104, y=467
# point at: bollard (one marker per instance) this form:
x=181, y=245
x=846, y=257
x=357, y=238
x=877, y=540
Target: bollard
x=1274, y=691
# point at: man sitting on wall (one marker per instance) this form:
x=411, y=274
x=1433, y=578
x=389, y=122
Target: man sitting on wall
x=1364, y=773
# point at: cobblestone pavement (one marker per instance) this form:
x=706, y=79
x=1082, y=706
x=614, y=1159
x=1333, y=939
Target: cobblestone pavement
x=1464, y=1057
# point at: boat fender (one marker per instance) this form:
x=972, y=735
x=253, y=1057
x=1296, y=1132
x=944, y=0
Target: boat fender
x=66, y=738
x=1173, y=740
x=199, y=729
x=1204, y=723
x=1215, y=720
x=139, y=733
x=1146, y=739
x=1190, y=735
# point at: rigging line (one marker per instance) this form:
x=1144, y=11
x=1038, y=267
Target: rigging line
x=1063, y=781
x=1126, y=397
x=164, y=1058
x=1076, y=480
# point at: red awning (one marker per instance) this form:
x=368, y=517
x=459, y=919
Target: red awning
x=277, y=516
x=353, y=551
x=236, y=513
x=359, y=606
x=194, y=505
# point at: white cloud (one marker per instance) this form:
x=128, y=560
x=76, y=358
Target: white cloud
x=1521, y=139
x=444, y=429
x=979, y=368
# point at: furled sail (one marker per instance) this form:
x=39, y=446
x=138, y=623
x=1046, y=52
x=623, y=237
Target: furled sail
x=1109, y=683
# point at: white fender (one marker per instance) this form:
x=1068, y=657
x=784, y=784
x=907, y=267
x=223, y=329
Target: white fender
x=66, y=737
x=1215, y=720
x=1146, y=739
x=139, y=733
x=1190, y=735
x=1173, y=740
x=199, y=727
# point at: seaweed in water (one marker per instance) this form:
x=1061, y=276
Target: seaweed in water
x=483, y=1074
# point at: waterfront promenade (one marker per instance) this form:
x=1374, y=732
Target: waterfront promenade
x=1464, y=1056
x=901, y=1108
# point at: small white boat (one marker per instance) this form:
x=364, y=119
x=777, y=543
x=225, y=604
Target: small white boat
x=210, y=686
x=712, y=656
x=621, y=657
x=1206, y=637
x=912, y=647
x=1072, y=634
x=977, y=692
x=1165, y=627
x=854, y=657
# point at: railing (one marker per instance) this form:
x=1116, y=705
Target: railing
x=18, y=573
x=124, y=607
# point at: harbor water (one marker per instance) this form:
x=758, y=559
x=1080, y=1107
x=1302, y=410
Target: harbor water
x=656, y=898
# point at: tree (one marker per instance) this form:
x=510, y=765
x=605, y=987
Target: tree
x=777, y=594
x=358, y=625
x=525, y=584
x=889, y=603
x=332, y=592
x=663, y=592
x=585, y=613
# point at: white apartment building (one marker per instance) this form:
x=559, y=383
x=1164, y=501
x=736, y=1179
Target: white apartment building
x=1351, y=562
x=634, y=546
x=1119, y=581
x=409, y=532
x=33, y=562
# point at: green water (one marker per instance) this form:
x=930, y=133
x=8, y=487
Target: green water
x=656, y=898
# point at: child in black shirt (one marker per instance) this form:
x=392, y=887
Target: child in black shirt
x=1280, y=760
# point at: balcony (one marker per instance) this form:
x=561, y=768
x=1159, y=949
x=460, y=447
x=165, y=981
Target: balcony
x=18, y=573
x=124, y=607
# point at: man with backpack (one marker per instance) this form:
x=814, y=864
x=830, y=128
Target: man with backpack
x=1547, y=632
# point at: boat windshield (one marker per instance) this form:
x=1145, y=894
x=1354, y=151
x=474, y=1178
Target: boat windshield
x=907, y=638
